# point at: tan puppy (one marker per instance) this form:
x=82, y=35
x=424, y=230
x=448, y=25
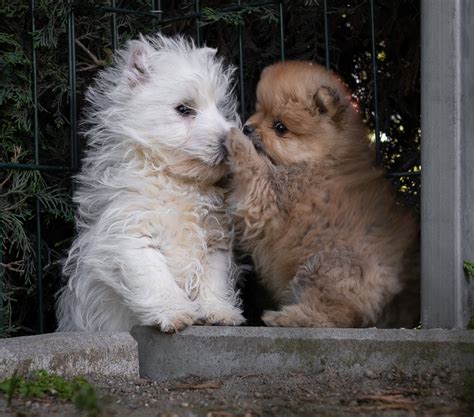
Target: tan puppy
x=323, y=225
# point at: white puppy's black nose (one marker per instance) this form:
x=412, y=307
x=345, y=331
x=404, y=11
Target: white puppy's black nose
x=248, y=129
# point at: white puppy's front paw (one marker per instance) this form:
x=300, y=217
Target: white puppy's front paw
x=223, y=316
x=173, y=319
x=173, y=323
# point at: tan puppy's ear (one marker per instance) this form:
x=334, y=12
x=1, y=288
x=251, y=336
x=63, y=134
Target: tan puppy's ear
x=326, y=101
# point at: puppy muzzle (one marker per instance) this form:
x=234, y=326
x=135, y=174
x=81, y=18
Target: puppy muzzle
x=251, y=133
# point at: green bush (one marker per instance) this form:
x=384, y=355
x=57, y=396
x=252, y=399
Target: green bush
x=41, y=384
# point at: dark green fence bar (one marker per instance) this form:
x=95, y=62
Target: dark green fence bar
x=158, y=12
x=241, y=70
x=378, y=147
x=34, y=85
x=119, y=10
x=29, y=167
x=404, y=174
x=39, y=266
x=326, y=33
x=72, y=91
x=197, y=8
x=109, y=9
x=113, y=28
x=282, y=32
x=2, y=286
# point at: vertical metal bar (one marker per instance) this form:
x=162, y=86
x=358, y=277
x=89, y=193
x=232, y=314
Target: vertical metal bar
x=447, y=189
x=282, y=32
x=241, y=71
x=34, y=82
x=72, y=89
x=198, y=23
x=39, y=266
x=378, y=148
x=326, y=33
x=2, y=287
x=156, y=4
x=113, y=28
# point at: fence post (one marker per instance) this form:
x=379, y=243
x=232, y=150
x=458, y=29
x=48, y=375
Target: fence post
x=447, y=120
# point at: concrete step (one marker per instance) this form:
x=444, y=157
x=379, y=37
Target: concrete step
x=213, y=352
x=70, y=354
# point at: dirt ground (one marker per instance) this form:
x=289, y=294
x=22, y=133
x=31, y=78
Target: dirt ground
x=296, y=394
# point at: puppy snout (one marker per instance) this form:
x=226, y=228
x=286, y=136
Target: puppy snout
x=248, y=129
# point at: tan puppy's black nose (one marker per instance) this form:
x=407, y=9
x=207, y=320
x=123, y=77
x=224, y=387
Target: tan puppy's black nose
x=248, y=129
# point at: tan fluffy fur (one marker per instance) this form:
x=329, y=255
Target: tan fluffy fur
x=323, y=225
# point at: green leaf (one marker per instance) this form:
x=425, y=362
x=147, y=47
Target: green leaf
x=41, y=383
x=470, y=325
x=469, y=270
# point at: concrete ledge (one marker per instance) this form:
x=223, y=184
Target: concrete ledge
x=70, y=354
x=214, y=352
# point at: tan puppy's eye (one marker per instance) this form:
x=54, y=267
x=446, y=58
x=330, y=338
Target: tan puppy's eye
x=280, y=128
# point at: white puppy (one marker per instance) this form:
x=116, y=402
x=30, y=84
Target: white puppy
x=153, y=241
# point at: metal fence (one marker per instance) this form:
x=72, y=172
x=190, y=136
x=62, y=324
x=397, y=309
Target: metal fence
x=158, y=14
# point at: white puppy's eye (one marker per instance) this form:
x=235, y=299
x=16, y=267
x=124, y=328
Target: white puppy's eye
x=280, y=128
x=185, y=110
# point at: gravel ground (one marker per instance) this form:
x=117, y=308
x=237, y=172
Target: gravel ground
x=296, y=394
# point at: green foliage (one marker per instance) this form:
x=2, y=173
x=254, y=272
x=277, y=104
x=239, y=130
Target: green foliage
x=20, y=190
x=41, y=384
x=469, y=269
x=85, y=399
x=210, y=15
x=469, y=272
x=470, y=325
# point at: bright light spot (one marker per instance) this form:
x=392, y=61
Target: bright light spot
x=383, y=137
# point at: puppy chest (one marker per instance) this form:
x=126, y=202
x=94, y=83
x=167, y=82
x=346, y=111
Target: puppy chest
x=192, y=232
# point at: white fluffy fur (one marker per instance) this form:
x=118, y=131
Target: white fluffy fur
x=153, y=238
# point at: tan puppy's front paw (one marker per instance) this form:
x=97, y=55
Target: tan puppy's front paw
x=293, y=316
x=278, y=319
x=240, y=146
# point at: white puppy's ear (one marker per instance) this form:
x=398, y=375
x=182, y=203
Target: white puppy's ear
x=139, y=66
